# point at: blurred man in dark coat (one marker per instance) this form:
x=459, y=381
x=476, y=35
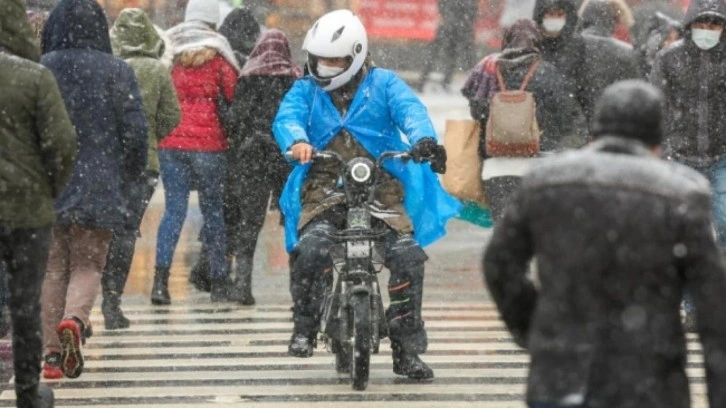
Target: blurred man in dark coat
x=618, y=236
x=454, y=39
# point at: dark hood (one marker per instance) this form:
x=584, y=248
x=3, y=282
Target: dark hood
x=76, y=24
x=700, y=8
x=599, y=18
x=241, y=30
x=16, y=35
x=567, y=5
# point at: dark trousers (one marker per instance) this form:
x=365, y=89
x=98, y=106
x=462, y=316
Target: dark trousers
x=546, y=405
x=121, y=249
x=24, y=253
x=455, y=40
x=312, y=272
x=258, y=172
x=498, y=191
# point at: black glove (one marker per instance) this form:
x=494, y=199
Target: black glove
x=428, y=150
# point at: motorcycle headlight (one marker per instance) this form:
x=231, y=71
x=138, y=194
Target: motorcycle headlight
x=361, y=172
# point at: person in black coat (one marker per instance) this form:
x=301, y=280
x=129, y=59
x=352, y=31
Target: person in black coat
x=589, y=63
x=257, y=168
x=642, y=14
x=559, y=115
x=241, y=29
x=661, y=31
x=692, y=75
x=618, y=236
x=454, y=39
x=104, y=103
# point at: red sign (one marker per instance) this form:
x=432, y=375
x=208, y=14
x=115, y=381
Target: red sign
x=401, y=19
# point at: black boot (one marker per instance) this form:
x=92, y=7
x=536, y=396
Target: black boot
x=45, y=396
x=301, y=346
x=410, y=365
x=113, y=317
x=220, y=291
x=243, y=284
x=199, y=276
x=160, y=291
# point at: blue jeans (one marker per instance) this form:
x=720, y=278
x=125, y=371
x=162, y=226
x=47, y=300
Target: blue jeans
x=716, y=174
x=207, y=170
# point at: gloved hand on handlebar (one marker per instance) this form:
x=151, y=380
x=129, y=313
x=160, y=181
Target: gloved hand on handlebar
x=428, y=150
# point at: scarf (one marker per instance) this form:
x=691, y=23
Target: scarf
x=271, y=57
x=195, y=35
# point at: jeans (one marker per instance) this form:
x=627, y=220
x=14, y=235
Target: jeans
x=75, y=265
x=207, y=171
x=24, y=254
x=716, y=174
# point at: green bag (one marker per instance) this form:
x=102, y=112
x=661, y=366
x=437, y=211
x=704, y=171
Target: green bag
x=476, y=214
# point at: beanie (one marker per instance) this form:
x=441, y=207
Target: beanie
x=631, y=109
x=206, y=11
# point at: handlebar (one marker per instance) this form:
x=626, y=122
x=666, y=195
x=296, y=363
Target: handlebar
x=331, y=155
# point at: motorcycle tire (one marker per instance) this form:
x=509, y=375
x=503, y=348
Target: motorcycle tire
x=360, y=307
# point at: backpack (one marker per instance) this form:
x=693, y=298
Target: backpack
x=512, y=129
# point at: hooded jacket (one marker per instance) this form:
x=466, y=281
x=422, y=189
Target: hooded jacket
x=611, y=337
x=37, y=139
x=598, y=18
x=642, y=14
x=241, y=30
x=105, y=106
x=135, y=39
x=694, y=84
x=590, y=63
x=382, y=108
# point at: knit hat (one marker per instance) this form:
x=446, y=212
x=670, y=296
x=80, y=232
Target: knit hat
x=206, y=11
x=631, y=109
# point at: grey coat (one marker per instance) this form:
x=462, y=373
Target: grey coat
x=618, y=236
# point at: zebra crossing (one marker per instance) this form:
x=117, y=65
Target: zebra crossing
x=197, y=354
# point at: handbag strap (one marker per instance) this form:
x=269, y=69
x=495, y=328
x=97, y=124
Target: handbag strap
x=525, y=81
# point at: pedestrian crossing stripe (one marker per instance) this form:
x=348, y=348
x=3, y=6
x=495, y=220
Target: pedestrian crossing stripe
x=207, y=355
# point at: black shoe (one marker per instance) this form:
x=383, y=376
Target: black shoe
x=689, y=323
x=199, y=276
x=411, y=366
x=301, y=346
x=220, y=290
x=160, y=291
x=45, y=395
x=113, y=317
x=243, y=284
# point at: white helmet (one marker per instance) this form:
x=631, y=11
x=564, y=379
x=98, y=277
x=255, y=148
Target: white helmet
x=338, y=34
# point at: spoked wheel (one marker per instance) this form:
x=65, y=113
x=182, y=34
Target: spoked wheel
x=360, y=359
x=342, y=357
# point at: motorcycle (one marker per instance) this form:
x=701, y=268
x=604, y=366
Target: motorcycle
x=353, y=319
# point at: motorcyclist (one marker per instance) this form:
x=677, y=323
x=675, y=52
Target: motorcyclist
x=348, y=106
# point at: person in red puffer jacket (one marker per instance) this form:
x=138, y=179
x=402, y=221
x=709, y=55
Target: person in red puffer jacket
x=205, y=71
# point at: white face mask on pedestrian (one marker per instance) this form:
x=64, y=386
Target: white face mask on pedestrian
x=325, y=71
x=706, y=39
x=554, y=25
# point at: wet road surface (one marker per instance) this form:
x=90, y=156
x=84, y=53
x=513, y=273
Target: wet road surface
x=198, y=354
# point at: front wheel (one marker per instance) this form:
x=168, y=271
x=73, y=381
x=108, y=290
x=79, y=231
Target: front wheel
x=360, y=307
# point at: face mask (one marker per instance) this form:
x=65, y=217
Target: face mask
x=706, y=39
x=325, y=71
x=554, y=25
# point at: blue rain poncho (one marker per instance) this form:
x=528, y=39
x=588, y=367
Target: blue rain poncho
x=383, y=108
